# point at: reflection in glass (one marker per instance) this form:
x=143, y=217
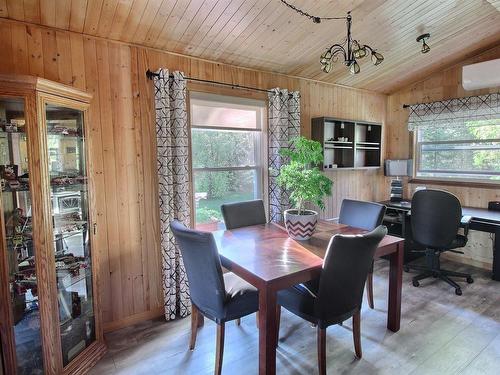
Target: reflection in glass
x=18, y=236
x=68, y=182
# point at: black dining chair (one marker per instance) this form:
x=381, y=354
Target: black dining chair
x=364, y=215
x=219, y=297
x=339, y=292
x=243, y=214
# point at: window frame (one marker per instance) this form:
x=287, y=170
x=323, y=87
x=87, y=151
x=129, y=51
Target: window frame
x=260, y=144
x=478, y=182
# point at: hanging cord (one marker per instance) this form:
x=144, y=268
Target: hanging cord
x=315, y=19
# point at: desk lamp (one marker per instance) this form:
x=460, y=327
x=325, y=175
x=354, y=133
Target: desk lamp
x=398, y=169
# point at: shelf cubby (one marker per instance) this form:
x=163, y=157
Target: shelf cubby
x=348, y=144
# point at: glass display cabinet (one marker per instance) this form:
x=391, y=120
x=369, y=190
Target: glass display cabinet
x=49, y=315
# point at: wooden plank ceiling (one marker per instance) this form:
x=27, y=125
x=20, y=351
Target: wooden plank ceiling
x=265, y=35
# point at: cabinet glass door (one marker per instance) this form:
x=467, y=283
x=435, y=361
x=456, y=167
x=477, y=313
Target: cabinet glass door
x=18, y=237
x=70, y=220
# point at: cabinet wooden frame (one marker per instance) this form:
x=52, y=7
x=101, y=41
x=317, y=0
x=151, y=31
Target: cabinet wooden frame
x=36, y=93
x=351, y=151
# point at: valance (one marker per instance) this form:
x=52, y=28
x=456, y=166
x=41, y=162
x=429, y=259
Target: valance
x=455, y=112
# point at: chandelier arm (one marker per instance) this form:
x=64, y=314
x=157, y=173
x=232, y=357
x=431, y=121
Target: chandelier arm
x=338, y=49
x=369, y=48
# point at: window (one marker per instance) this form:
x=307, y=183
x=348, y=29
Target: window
x=226, y=138
x=466, y=151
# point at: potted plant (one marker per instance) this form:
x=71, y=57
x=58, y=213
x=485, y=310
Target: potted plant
x=305, y=183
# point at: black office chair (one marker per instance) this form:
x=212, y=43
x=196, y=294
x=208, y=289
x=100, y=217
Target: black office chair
x=339, y=292
x=365, y=215
x=219, y=297
x=436, y=217
x=243, y=214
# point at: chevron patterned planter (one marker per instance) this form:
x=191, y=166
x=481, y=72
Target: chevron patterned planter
x=300, y=227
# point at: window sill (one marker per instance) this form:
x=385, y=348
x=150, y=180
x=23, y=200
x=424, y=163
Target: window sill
x=472, y=184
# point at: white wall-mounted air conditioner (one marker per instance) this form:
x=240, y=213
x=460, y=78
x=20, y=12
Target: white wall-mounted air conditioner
x=481, y=75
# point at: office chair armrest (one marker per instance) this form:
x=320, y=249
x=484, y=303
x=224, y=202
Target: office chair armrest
x=465, y=223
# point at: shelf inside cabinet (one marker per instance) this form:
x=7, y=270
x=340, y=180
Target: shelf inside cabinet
x=339, y=147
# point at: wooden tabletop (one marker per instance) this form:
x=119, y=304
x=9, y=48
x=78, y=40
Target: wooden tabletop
x=267, y=253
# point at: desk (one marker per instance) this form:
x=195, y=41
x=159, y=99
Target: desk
x=267, y=258
x=483, y=220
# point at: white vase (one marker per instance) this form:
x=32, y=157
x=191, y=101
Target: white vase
x=300, y=227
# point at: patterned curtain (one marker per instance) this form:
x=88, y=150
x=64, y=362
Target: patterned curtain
x=172, y=136
x=284, y=125
x=454, y=112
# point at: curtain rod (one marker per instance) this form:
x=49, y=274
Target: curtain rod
x=151, y=74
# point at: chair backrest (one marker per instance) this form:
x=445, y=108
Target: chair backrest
x=347, y=262
x=243, y=214
x=361, y=214
x=203, y=268
x=435, y=218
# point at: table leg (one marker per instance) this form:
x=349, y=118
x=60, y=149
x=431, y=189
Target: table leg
x=496, y=256
x=395, y=286
x=267, y=331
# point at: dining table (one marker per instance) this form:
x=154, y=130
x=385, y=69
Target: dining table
x=267, y=258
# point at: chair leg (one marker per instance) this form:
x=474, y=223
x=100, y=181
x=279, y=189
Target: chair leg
x=322, y=351
x=219, y=348
x=455, y=274
x=423, y=275
x=201, y=319
x=356, y=334
x=449, y=281
x=278, y=318
x=238, y=321
x=369, y=289
x=194, y=326
x=257, y=319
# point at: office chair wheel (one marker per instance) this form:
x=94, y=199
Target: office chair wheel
x=470, y=280
x=415, y=283
x=458, y=291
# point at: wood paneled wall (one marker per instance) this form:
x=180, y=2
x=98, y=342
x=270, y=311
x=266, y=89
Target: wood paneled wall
x=446, y=84
x=122, y=127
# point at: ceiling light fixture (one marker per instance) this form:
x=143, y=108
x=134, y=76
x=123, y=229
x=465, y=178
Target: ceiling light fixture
x=351, y=50
x=422, y=38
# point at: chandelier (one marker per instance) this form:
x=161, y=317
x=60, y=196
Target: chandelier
x=351, y=50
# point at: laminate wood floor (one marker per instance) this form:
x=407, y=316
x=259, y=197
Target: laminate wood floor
x=441, y=333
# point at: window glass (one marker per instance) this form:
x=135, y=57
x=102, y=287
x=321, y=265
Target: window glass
x=226, y=140
x=467, y=151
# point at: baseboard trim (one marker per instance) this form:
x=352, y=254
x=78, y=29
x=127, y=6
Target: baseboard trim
x=468, y=261
x=133, y=319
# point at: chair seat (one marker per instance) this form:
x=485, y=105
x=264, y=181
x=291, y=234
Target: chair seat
x=459, y=241
x=300, y=299
x=236, y=285
x=241, y=298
